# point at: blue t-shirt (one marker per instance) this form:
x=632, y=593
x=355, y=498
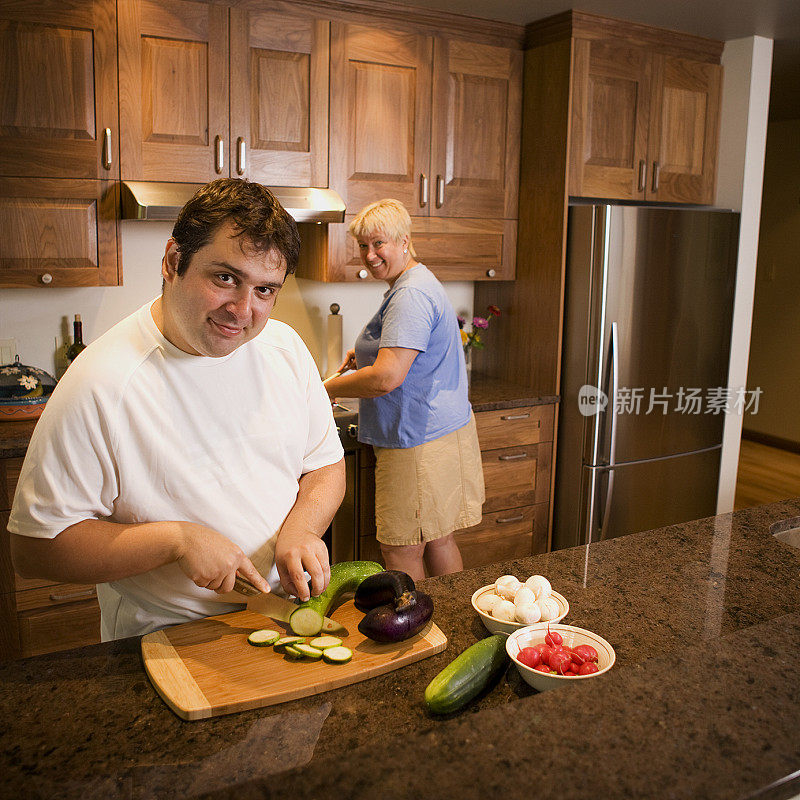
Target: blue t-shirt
x=432, y=400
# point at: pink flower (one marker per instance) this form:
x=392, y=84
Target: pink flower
x=480, y=322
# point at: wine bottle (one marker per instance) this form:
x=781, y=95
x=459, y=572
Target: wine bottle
x=77, y=346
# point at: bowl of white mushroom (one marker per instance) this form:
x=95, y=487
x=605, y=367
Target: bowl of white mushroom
x=509, y=603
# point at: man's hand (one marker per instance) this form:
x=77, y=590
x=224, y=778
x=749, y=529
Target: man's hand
x=211, y=560
x=297, y=551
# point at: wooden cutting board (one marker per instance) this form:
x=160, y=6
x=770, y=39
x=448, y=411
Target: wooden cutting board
x=206, y=668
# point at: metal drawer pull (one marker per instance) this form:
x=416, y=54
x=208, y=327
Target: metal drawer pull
x=107, y=148
x=656, y=175
x=642, y=175
x=241, y=150
x=423, y=190
x=439, y=191
x=515, y=457
x=74, y=595
x=516, y=416
x=219, y=154
x=504, y=520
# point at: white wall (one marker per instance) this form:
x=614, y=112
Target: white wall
x=40, y=318
x=743, y=134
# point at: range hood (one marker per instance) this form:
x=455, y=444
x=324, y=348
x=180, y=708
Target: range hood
x=150, y=200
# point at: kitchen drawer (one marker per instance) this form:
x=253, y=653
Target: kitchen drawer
x=9, y=475
x=59, y=628
x=514, y=426
x=55, y=594
x=511, y=533
x=516, y=476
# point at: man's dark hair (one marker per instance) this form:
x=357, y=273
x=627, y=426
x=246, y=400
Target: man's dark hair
x=250, y=207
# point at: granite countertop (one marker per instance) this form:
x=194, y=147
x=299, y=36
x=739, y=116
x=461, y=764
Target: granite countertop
x=703, y=702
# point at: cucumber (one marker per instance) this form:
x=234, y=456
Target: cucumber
x=324, y=642
x=263, y=638
x=285, y=641
x=308, y=651
x=337, y=655
x=467, y=675
x=346, y=576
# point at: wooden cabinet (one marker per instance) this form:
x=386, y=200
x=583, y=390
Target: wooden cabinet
x=39, y=616
x=644, y=124
x=59, y=144
x=433, y=122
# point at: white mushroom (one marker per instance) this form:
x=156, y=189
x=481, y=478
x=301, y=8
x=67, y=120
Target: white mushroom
x=549, y=608
x=527, y=613
x=524, y=596
x=506, y=586
x=486, y=602
x=539, y=585
x=505, y=611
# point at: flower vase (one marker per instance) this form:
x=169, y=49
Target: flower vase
x=468, y=362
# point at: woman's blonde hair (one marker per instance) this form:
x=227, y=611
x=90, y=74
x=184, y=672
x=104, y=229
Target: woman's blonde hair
x=387, y=216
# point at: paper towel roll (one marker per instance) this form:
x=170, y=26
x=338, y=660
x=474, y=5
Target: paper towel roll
x=334, y=340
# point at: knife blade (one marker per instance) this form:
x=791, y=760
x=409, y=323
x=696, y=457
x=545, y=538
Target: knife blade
x=275, y=606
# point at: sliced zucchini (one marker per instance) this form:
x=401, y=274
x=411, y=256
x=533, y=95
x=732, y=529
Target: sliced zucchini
x=293, y=653
x=324, y=642
x=308, y=651
x=263, y=638
x=281, y=644
x=337, y=655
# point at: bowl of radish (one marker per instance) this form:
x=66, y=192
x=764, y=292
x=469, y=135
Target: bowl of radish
x=509, y=604
x=548, y=655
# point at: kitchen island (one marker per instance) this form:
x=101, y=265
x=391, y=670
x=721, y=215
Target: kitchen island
x=703, y=702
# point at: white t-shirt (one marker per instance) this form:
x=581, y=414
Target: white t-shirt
x=139, y=431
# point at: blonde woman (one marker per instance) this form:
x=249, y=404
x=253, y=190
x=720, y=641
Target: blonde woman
x=408, y=366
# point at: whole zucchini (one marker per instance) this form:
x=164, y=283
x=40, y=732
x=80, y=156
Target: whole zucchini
x=467, y=675
x=345, y=577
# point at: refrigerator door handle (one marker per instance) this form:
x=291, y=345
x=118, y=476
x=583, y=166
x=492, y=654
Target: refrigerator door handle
x=612, y=450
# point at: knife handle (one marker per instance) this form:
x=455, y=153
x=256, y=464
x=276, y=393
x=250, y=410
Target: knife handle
x=243, y=586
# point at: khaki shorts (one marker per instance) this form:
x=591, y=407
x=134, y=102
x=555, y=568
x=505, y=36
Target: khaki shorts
x=428, y=491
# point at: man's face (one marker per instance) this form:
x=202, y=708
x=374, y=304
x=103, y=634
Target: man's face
x=225, y=296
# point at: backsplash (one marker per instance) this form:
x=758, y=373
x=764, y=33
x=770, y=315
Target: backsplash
x=39, y=319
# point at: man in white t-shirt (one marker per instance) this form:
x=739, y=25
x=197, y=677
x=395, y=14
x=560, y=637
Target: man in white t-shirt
x=191, y=436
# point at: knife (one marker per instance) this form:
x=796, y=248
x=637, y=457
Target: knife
x=275, y=606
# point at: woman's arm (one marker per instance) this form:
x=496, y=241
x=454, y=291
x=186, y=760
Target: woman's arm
x=386, y=374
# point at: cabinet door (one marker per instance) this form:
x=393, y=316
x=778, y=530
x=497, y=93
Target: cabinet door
x=173, y=64
x=475, y=130
x=279, y=98
x=380, y=115
x=684, y=129
x=610, y=116
x=58, y=232
x=58, y=89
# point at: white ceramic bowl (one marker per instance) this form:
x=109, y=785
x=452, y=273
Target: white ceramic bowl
x=534, y=634
x=501, y=626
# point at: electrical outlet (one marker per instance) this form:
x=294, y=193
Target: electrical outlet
x=8, y=350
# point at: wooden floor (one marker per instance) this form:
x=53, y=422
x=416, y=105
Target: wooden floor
x=766, y=474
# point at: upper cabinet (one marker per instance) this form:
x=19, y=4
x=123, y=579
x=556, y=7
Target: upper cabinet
x=209, y=92
x=645, y=117
x=431, y=121
x=59, y=144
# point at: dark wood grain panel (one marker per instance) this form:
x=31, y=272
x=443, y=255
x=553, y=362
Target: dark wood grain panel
x=515, y=426
x=9, y=475
x=516, y=476
x=51, y=629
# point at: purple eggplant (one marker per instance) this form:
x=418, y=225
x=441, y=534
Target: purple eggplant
x=399, y=620
x=382, y=588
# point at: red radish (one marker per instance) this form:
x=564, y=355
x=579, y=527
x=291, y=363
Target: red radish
x=530, y=656
x=587, y=669
x=560, y=662
x=586, y=652
x=540, y=647
x=542, y=668
x=553, y=638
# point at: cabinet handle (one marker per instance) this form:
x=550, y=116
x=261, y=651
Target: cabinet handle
x=642, y=174
x=656, y=174
x=518, y=416
x=506, y=520
x=423, y=190
x=107, y=160
x=219, y=154
x=46, y=278
x=439, y=191
x=74, y=595
x=362, y=274
x=241, y=156
x=490, y=273
x=514, y=457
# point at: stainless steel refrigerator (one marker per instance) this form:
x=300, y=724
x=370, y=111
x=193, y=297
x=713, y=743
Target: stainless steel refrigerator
x=648, y=309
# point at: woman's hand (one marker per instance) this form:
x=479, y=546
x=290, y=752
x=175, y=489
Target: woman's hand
x=211, y=560
x=349, y=362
